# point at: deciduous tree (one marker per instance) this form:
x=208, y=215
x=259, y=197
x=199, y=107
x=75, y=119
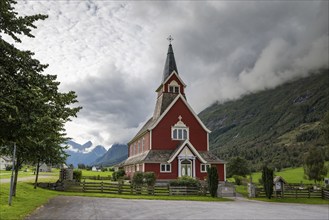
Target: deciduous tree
x=314, y=166
x=32, y=110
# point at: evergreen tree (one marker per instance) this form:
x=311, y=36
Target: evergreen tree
x=267, y=177
x=212, y=181
x=314, y=166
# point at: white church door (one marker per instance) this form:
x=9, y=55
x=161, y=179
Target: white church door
x=186, y=168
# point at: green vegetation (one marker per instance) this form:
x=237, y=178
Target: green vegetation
x=212, y=180
x=185, y=181
x=33, y=111
x=314, y=201
x=314, y=166
x=291, y=175
x=267, y=179
x=275, y=126
x=94, y=173
x=237, y=166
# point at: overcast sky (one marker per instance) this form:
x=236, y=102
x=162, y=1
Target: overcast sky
x=112, y=53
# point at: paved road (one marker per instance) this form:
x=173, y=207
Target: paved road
x=64, y=207
x=22, y=179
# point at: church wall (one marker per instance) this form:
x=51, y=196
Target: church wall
x=142, y=148
x=161, y=134
x=155, y=167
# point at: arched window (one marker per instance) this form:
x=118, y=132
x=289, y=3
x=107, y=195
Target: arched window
x=179, y=131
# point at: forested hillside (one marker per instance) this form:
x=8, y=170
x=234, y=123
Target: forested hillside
x=276, y=126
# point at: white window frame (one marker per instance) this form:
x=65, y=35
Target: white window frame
x=179, y=130
x=166, y=165
x=203, y=167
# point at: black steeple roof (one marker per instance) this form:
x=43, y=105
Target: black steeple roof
x=170, y=64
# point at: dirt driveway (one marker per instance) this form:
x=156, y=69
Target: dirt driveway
x=65, y=207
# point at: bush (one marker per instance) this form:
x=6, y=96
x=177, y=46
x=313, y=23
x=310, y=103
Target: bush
x=9, y=167
x=111, y=169
x=150, y=178
x=137, y=180
x=185, y=181
x=104, y=169
x=116, y=175
x=238, y=180
x=77, y=175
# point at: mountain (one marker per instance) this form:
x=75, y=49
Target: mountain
x=116, y=154
x=86, y=153
x=275, y=126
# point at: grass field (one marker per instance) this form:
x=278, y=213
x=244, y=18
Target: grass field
x=291, y=175
x=94, y=173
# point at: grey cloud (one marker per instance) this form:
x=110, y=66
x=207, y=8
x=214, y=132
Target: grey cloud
x=223, y=50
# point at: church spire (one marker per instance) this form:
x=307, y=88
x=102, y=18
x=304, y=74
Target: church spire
x=170, y=64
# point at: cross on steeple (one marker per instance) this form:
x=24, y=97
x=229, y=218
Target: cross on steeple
x=170, y=38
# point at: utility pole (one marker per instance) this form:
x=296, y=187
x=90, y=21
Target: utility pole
x=12, y=176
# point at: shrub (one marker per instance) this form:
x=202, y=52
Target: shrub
x=212, y=181
x=238, y=179
x=137, y=180
x=185, y=181
x=116, y=175
x=150, y=178
x=104, y=169
x=77, y=175
x=9, y=167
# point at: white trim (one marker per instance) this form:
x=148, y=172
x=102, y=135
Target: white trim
x=224, y=171
x=166, y=171
x=187, y=142
x=150, y=139
x=172, y=73
x=143, y=167
x=171, y=105
x=207, y=141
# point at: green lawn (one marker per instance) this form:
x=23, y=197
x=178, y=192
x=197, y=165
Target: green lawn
x=95, y=173
x=291, y=175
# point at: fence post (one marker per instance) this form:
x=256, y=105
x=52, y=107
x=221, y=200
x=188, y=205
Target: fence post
x=83, y=185
x=102, y=186
x=309, y=193
x=296, y=193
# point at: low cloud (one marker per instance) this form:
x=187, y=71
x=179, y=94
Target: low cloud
x=112, y=53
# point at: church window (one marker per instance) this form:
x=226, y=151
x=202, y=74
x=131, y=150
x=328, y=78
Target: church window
x=143, y=143
x=174, y=89
x=179, y=131
x=165, y=168
x=203, y=167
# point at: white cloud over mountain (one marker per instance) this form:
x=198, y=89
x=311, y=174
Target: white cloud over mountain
x=112, y=53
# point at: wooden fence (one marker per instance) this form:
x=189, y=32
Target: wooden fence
x=296, y=193
x=126, y=188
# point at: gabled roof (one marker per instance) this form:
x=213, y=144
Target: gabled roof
x=180, y=96
x=170, y=64
x=181, y=147
x=152, y=122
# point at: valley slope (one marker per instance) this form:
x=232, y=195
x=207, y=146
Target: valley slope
x=275, y=126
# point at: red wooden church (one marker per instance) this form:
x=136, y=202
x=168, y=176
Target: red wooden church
x=174, y=142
